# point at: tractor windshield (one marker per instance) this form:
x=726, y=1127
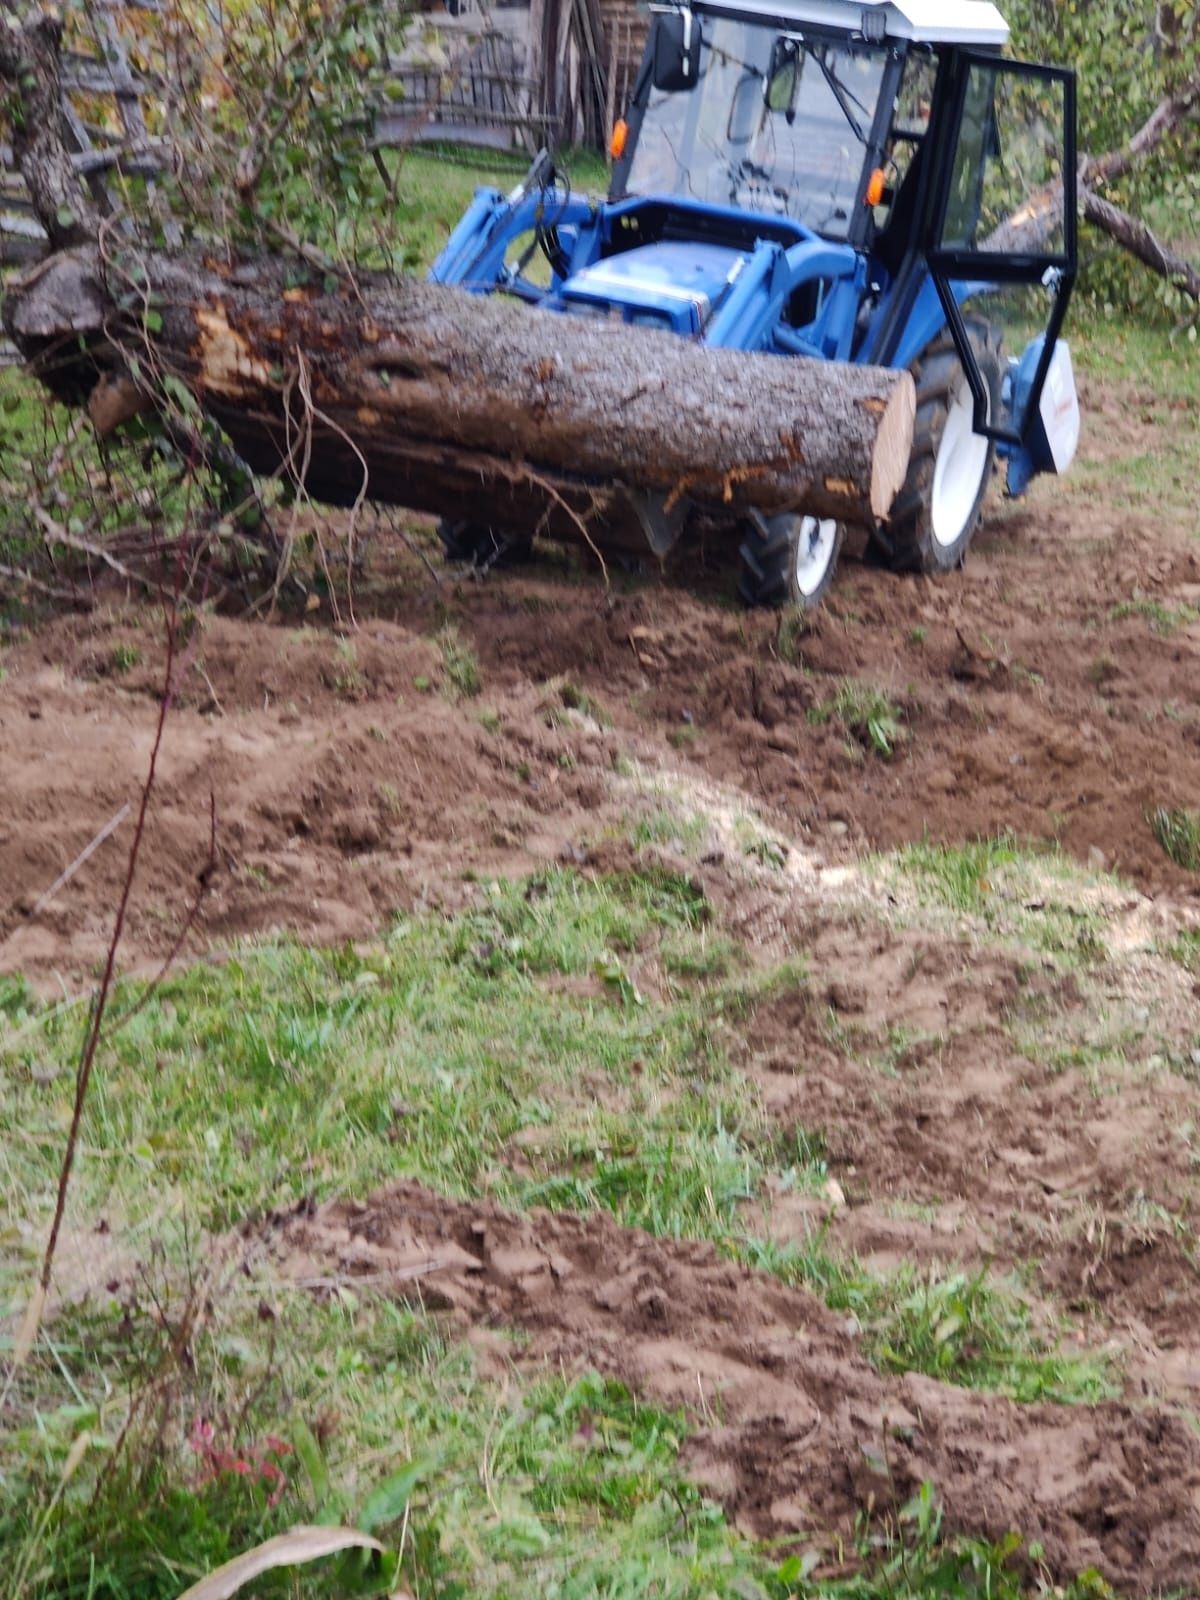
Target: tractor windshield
x=775, y=123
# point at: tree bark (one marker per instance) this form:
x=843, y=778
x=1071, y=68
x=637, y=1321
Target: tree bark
x=467, y=405
x=1134, y=236
x=29, y=62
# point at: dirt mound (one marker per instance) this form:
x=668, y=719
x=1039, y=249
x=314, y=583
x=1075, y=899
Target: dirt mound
x=1047, y=691
x=346, y=786
x=793, y=1432
x=980, y=1110
x=1074, y=725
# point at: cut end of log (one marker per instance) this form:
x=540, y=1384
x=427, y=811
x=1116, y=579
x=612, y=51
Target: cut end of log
x=893, y=446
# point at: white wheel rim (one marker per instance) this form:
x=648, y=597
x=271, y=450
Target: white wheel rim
x=815, y=542
x=958, y=471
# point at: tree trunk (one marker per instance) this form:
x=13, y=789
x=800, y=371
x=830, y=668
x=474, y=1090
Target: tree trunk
x=29, y=61
x=470, y=406
x=1133, y=235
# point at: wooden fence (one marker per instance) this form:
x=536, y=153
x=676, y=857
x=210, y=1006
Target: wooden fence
x=105, y=122
x=552, y=72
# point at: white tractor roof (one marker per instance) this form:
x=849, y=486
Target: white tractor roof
x=969, y=22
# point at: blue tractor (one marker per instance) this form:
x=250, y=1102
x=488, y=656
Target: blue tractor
x=866, y=181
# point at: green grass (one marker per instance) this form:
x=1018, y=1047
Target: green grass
x=1112, y=350
x=794, y=626
x=1136, y=350
x=461, y=677
x=456, y=1052
x=1163, y=619
x=866, y=713
x=566, y=1043
x=671, y=828
x=1185, y=949
x=1178, y=832
x=1034, y=895
x=354, y=1410
x=358, y=1411
x=576, y=699
x=434, y=186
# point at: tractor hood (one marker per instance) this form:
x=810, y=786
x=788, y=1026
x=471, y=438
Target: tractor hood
x=672, y=284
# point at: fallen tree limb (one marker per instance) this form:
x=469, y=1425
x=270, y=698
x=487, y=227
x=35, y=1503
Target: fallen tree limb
x=425, y=396
x=1134, y=236
x=1033, y=223
x=1167, y=115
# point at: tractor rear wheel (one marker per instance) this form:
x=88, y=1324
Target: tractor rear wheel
x=474, y=544
x=937, y=511
x=788, y=559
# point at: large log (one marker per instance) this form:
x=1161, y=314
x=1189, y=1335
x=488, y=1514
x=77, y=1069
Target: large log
x=428, y=397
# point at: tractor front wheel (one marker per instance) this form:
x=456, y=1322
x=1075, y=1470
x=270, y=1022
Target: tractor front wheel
x=937, y=511
x=788, y=559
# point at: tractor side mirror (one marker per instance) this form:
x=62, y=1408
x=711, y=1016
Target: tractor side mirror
x=783, y=75
x=676, y=63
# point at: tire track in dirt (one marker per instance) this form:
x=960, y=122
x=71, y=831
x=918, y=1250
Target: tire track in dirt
x=955, y=1148
x=793, y=1432
x=1050, y=690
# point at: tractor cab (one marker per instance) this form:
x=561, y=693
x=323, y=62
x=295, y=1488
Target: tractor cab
x=867, y=181
x=894, y=128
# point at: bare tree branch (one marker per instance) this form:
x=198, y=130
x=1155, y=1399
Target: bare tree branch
x=1164, y=119
x=1134, y=236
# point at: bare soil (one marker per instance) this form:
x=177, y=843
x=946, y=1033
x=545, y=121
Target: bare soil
x=793, y=1431
x=1033, y=704
x=982, y=1103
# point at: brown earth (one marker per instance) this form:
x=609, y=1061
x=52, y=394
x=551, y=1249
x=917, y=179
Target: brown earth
x=792, y=1430
x=982, y=1103
x=1031, y=705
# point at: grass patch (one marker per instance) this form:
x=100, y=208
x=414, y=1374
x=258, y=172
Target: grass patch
x=1178, y=833
x=1185, y=949
x=360, y=1412
x=435, y=185
x=1163, y=619
x=760, y=846
x=1117, y=351
x=576, y=699
x=794, y=626
x=490, y=1487
x=670, y=828
x=964, y=1329
x=346, y=677
x=1037, y=896
x=461, y=677
x=516, y=1050
x=513, y=1050
x=866, y=713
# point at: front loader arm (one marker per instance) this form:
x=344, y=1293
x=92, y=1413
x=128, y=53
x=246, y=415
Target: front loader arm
x=474, y=255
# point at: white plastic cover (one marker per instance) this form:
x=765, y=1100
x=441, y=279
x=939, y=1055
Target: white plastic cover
x=1060, y=408
x=969, y=22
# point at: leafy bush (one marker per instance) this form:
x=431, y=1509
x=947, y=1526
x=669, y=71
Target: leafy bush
x=1128, y=54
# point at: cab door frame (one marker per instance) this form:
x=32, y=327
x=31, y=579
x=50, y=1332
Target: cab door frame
x=977, y=267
